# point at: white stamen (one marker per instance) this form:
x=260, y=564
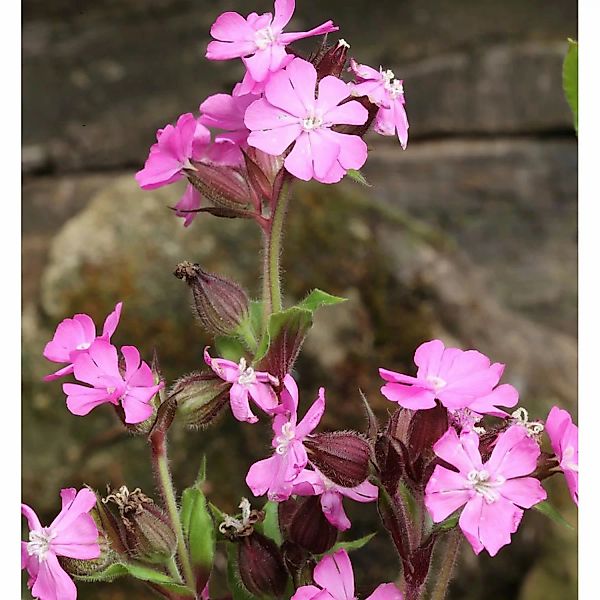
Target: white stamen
x=521, y=416
x=110, y=390
x=437, y=382
x=311, y=122
x=263, y=38
x=237, y=525
x=247, y=374
x=83, y=346
x=481, y=482
x=283, y=440
x=391, y=84
x=342, y=43
x=39, y=542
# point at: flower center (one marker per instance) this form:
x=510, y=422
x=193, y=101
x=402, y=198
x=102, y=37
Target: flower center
x=311, y=122
x=481, y=482
x=39, y=542
x=247, y=374
x=283, y=440
x=437, y=382
x=391, y=84
x=264, y=38
x=83, y=346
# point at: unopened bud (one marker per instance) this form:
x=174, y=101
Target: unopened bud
x=86, y=568
x=148, y=532
x=201, y=398
x=261, y=566
x=342, y=456
x=220, y=304
x=269, y=165
x=333, y=60
x=223, y=186
x=309, y=528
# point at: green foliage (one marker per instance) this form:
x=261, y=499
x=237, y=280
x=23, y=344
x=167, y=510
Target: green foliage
x=552, y=513
x=358, y=177
x=318, y=298
x=198, y=528
x=351, y=545
x=270, y=526
x=570, y=80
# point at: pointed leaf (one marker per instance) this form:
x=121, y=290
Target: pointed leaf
x=550, y=511
x=270, y=525
x=198, y=529
x=570, y=80
x=318, y=298
x=351, y=545
x=358, y=177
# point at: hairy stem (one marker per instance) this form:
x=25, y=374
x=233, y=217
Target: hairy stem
x=161, y=463
x=174, y=570
x=272, y=253
x=444, y=576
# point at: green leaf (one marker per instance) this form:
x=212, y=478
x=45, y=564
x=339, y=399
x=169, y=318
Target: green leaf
x=450, y=523
x=291, y=324
x=318, y=298
x=270, y=526
x=140, y=572
x=570, y=79
x=198, y=528
x=358, y=177
x=230, y=348
x=352, y=544
x=236, y=587
x=550, y=511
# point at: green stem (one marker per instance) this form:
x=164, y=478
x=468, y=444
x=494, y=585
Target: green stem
x=444, y=576
x=174, y=570
x=272, y=253
x=159, y=452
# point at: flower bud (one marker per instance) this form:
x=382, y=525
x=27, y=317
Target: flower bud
x=200, y=397
x=149, y=536
x=261, y=566
x=333, y=60
x=309, y=528
x=220, y=304
x=269, y=165
x=342, y=456
x=426, y=428
x=86, y=568
x=223, y=186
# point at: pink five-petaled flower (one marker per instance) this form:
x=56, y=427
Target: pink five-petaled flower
x=99, y=367
x=72, y=534
x=258, y=39
x=335, y=580
x=289, y=113
x=276, y=475
x=246, y=383
x=314, y=483
x=74, y=337
x=457, y=378
x=384, y=90
x=493, y=494
x=563, y=434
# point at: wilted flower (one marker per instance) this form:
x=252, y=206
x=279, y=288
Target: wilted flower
x=290, y=114
x=493, y=494
x=258, y=39
x=246, y=383
x=74, y=337
x=99, y=367
x=563, y=434
x=275, y=476
x=72, y=534
x=335, y=580
x=457, y=378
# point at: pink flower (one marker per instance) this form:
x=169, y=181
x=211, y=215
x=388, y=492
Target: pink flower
x=563, y=434
x=176, y=145
x=493, y=494
x=258, y=39
x=74, y=337
x=290, y=114
x=246, y=383
x=188, y=205
x=99, y=367
x=276, y=475
x=383, y=90
x=314, y=483
x=72, y=534
x=335, y=580
x=457, y=378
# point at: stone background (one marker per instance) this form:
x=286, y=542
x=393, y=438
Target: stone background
x=470, y=234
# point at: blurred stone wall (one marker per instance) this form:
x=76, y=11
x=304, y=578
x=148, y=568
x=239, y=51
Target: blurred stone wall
x=470, y=234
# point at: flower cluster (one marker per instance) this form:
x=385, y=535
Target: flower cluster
x=295, y=111
x=95, y=361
